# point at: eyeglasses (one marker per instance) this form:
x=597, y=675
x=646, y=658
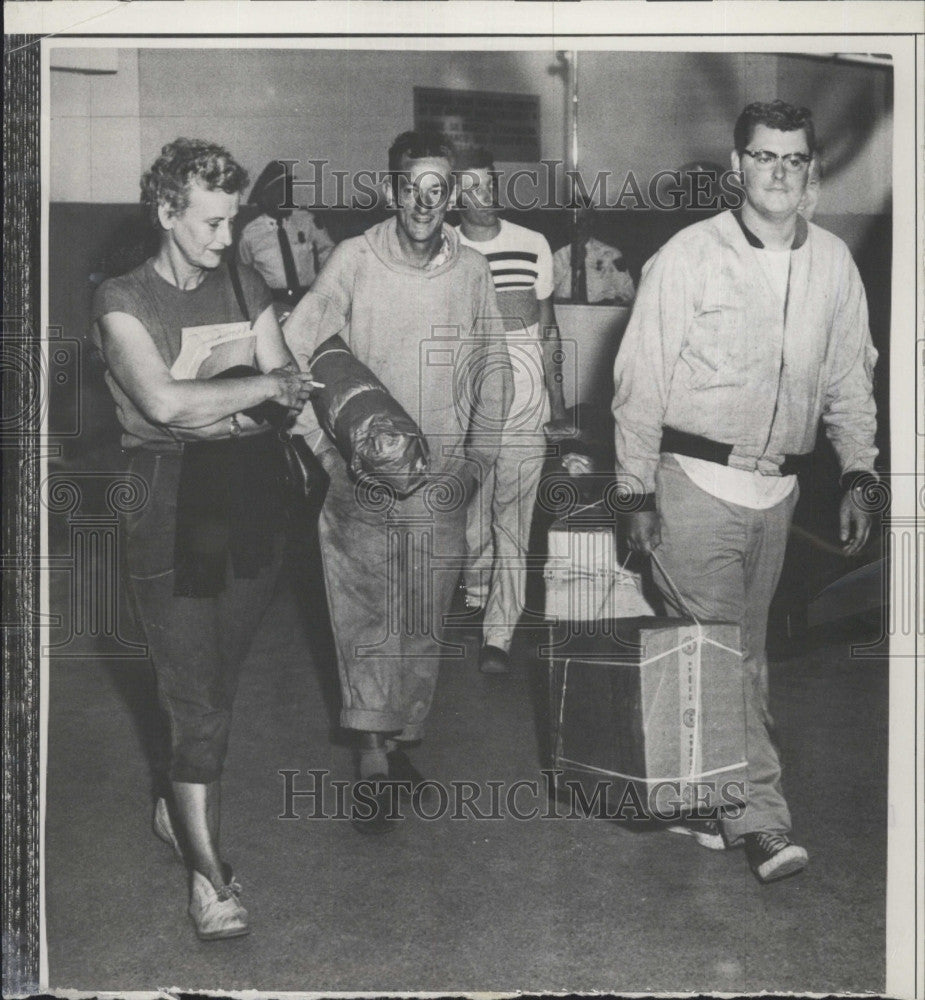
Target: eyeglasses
x=793, y=162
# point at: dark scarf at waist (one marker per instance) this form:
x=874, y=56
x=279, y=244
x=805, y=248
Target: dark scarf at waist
x=229, y=503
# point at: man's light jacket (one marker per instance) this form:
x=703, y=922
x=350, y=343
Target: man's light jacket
x=709, y=350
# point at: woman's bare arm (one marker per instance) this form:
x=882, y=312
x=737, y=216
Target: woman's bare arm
x=141, y=373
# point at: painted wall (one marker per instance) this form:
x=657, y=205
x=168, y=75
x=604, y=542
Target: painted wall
x=651, y=111
x=95, y=131
x=344, y=107
x=853, y=109
x=639, y=111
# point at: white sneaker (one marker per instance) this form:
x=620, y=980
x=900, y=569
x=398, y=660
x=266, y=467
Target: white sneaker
x=705, y=831
x=163, y=828
x=216, y=914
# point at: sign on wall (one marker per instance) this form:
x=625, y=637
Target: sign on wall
x=507, y=124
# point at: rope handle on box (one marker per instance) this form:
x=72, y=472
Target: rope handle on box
x=677, y=593
x=581, y=510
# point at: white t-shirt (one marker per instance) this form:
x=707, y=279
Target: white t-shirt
x=747, y=489
x=519, y=258
x=776, y=265
x=521, y=267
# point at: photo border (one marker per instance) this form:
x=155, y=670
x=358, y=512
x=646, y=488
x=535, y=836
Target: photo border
x=24, y=454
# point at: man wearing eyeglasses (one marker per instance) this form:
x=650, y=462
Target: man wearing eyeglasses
x=748, y=328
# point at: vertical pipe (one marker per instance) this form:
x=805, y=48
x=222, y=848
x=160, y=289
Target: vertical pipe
x=573, y=106
x=578, y=251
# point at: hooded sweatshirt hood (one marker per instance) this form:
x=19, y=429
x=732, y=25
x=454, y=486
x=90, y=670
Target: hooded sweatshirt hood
x=383, y=241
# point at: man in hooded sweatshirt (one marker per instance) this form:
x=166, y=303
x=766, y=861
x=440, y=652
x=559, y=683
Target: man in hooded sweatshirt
x=419, y=309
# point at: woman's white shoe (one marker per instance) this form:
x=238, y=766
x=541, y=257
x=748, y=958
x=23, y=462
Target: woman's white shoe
x=216, y=913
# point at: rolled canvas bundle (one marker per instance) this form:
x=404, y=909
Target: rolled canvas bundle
x=373, y=433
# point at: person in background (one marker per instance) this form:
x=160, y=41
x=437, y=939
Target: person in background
x=605, y=276
x=498, y=530
x=748, y=328
x=810, y=200
x=204, y=552
x=701, y=183
x=287, y=246
x=419, y=309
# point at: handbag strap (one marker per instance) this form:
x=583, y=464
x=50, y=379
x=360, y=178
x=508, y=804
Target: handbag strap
x=238, y=290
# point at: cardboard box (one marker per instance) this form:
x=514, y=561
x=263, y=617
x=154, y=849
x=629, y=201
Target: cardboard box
x=584, y=580
x=654, y=709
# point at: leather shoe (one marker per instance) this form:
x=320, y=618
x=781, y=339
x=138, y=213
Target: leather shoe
x=493, y=660
x=374, y=809
x=401, y=769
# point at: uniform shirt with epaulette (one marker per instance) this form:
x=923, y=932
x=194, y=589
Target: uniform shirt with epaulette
x=311, y=245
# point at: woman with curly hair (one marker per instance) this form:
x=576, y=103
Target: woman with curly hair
x=204, y=552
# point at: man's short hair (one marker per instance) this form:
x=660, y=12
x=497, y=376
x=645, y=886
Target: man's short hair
x=420, y=145
x=477, y=158
x=185, y=162
x=778, y=115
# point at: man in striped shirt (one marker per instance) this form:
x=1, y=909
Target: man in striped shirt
x=499, y=522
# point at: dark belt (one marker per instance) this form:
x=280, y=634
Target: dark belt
x=695, y=446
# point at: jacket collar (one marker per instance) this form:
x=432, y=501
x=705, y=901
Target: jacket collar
x=799, y=235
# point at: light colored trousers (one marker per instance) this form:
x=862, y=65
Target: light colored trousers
x=726, y=561
x=501, y=515
x=497, y=537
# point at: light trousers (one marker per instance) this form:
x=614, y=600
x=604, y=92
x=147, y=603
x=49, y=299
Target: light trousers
x=498, y=536
x=726, y=561
x=501, y=515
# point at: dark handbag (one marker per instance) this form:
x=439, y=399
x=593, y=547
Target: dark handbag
x=304, y=479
